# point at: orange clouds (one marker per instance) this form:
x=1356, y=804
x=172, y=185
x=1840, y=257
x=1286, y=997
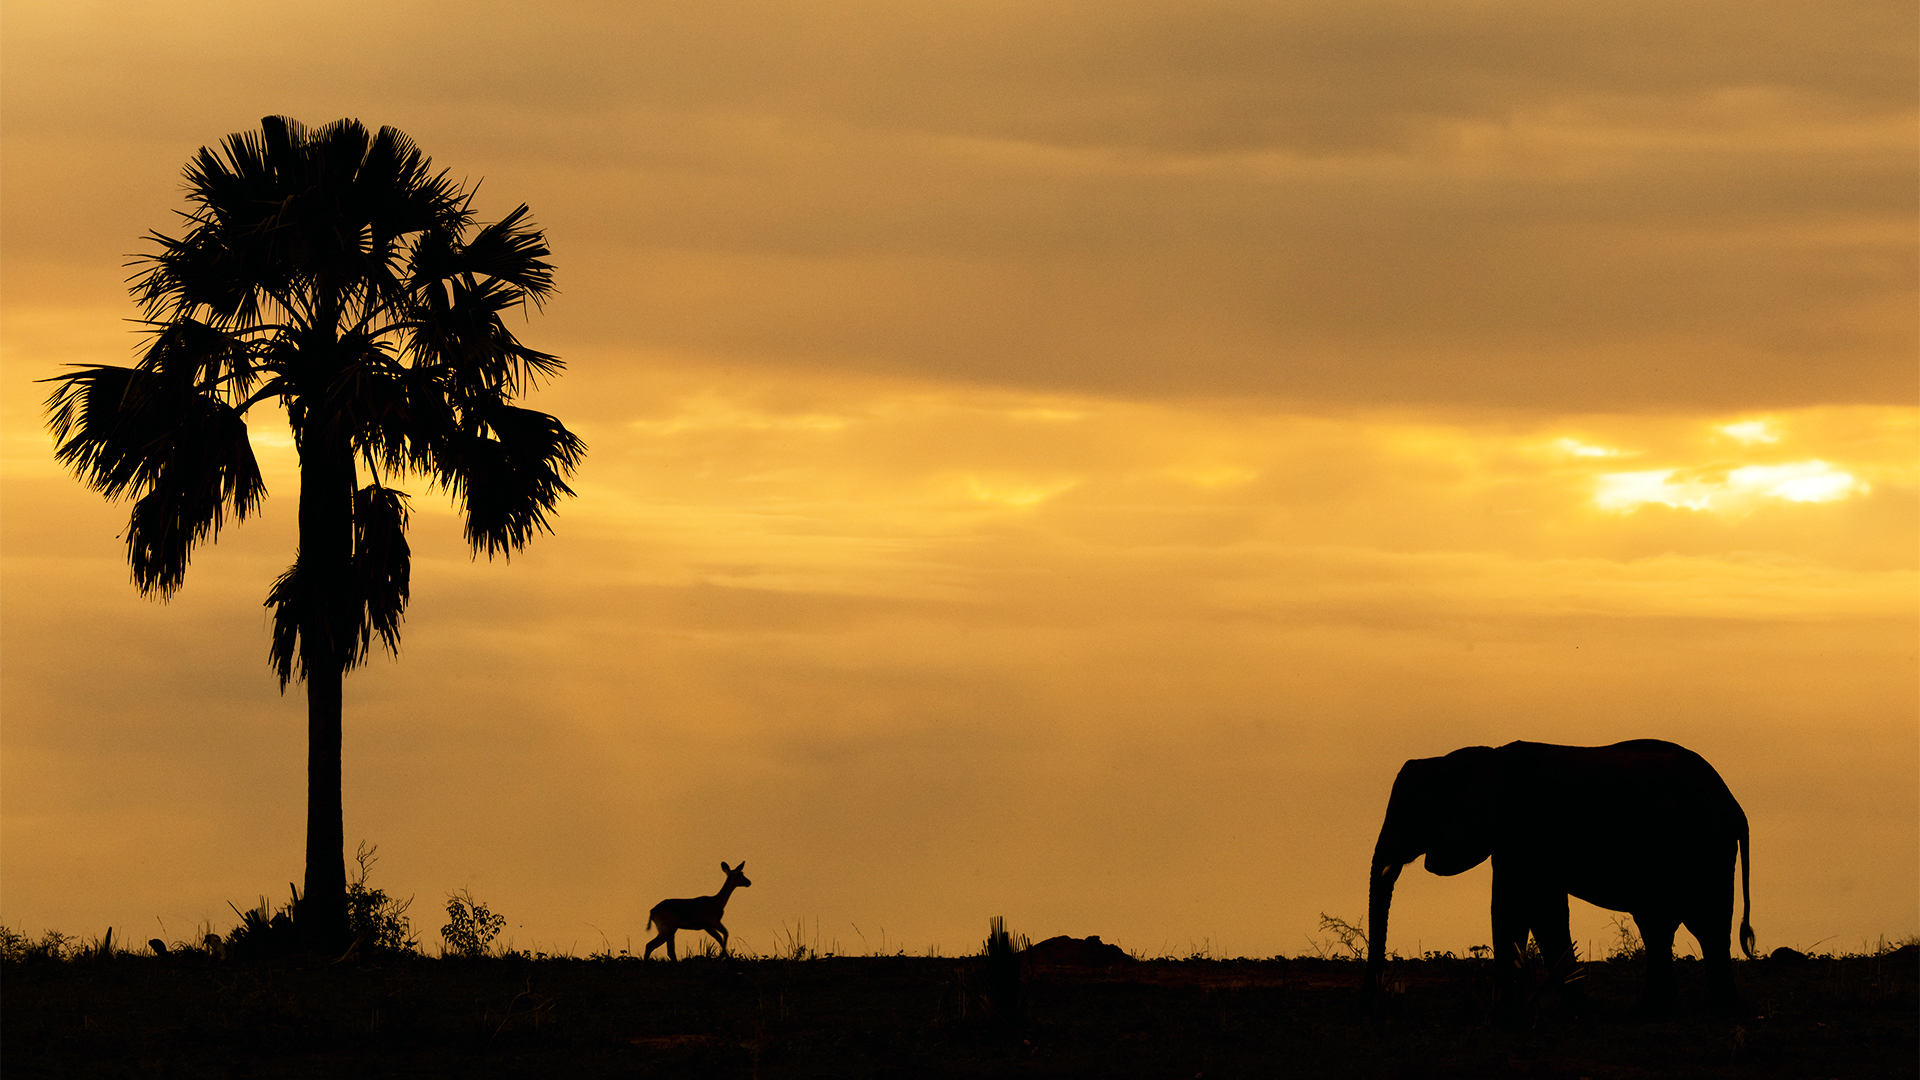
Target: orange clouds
x=856, y=629
x=1054, y=460
x=1564, y=210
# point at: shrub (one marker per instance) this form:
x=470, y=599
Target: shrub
x=375, y=919
x=1349, y=942
x=262, y=935
x=53, y=945
x=1626, y=939
x=470, y=927
x=1002, y=950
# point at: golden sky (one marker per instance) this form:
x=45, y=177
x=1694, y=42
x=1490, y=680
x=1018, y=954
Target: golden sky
x=1046, y=459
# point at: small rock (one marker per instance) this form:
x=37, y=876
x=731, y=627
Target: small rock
x=1066, y=951
x=1787, y=956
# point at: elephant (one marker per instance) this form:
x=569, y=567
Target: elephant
x=1645, y=827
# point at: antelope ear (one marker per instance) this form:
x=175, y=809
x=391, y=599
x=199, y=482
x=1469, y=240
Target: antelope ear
x=742, y=867
x=724, y=868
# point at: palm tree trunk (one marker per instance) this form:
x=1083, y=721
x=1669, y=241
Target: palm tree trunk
x=323, y=915
x=326, y=554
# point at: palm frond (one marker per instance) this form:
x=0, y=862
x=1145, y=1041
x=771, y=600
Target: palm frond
x=210, y=468
x=182, y=453
x=479, y=357
x=430, y=263
x=509, y=481
x=206, y=269
x=382, y=566
x=511, y=250
x=297, y=610
x=94, y=436
x=365, y=393
x=340, y=619
x=190, y=351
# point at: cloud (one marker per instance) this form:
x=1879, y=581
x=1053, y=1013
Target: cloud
x=1556, y=209
x=1734, y=489
x=819, y=623
x=1050, y=460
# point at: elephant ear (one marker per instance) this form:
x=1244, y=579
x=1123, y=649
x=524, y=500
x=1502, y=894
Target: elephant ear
x=1463, y=820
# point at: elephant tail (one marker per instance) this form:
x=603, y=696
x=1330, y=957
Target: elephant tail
x=1746, y=897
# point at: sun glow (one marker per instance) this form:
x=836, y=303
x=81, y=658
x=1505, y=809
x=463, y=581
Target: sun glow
x=1018, y=493
x=1801, y=481
x=1806, y=481
x=1752, y=431
x=1576, y=448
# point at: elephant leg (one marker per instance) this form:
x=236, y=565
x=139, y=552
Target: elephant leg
x=1713, y=928
x=1656, y=932
x=1551, y=929
x=1511, y=920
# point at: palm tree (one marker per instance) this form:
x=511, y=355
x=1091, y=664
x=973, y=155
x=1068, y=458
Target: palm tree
x=334, y=272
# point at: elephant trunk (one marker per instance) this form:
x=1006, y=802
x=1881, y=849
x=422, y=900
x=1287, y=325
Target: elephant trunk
x=1379, y=899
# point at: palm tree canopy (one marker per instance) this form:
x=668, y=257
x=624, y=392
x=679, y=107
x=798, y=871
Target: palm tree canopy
x=331, y=270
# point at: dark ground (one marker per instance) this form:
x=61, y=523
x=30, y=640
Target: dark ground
x=130, y=1016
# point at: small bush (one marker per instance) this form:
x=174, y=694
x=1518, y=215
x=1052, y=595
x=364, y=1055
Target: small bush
x=53, y=945
x=1626, y=939
x=377, y=920
x=264, y=933
x=13, y=945
x=1002, y=950
x=1349, y=942
x=470, y=927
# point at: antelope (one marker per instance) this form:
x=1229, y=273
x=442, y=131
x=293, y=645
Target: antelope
x=695, y=913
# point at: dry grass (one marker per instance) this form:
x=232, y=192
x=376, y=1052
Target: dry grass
x=67, y=1008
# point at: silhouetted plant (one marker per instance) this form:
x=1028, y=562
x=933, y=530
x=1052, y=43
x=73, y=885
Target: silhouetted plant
x=376, y=919
x=795, y=946
x=1626, y=939
x=1887, y=946
x=334, y=272
x=1200, y=950
x=265, y=934
x=1002, y=950
x=53, y=946
x=1349, y=942
x=606, y=951
x=471, y=927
